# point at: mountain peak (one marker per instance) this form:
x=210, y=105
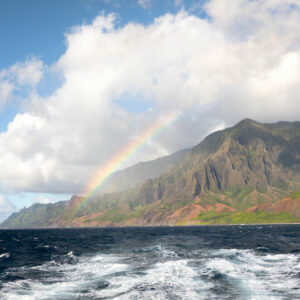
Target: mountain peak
x=247, y=122
x=242, y=130
x=236, y=171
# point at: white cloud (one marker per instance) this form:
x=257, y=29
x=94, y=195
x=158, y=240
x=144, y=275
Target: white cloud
x=42, y=200
x=27, y=73
x=6, y=89
x=243, y=62
x=144, y=3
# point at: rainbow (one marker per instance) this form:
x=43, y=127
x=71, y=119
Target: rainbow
x=104, y=172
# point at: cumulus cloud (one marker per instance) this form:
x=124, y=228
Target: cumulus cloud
x=242, y=62
x=21, y=74
x=28, y=73
x=6, y=89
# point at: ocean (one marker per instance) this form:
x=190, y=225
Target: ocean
x=204, y=262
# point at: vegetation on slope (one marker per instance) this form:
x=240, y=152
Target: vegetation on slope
x=246, y=218
x=242, y=174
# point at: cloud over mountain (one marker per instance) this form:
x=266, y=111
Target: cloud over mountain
x=236, y=63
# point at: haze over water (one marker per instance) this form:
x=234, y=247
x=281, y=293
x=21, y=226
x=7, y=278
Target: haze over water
x=208, y=262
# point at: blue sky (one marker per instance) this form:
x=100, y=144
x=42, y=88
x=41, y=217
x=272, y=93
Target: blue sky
x=80, y=79
x=37, y=28
x=34, y=27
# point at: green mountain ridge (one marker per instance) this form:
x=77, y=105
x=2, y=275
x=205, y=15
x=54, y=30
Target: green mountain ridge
x=135, y=175
x=248, y=173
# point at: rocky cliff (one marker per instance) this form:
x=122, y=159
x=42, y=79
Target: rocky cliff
x=249, y=173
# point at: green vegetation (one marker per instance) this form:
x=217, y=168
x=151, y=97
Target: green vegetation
x=36, y=216
x=240, y=195
x=295, y=195
x=172, y=206
x=116, y=216
x=246, y=218
x=248, y=165
x=112, y=215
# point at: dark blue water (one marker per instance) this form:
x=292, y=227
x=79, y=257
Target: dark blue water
x=209, y=262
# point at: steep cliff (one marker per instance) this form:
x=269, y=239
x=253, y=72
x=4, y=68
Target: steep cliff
x=244, y=174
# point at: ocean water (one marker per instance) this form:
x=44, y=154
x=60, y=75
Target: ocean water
x=209, y=262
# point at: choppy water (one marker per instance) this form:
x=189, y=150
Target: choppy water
x=211, y=262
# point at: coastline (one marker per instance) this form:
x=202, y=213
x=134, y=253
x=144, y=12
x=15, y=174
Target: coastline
x=152, y=226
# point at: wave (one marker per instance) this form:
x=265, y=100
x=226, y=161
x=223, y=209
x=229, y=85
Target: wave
x=159, y=272
x=5, y=255
x=255, y=276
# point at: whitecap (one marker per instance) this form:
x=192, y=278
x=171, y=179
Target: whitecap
x=67, y=281
x=5, y=255
x=206, y=274
x=43, y=246
x=257, y=276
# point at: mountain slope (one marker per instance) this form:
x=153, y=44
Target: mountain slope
x=48, y=215
x=138, y=173
x=243, y=174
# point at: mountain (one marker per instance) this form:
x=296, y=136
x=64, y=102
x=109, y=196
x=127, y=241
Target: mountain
x=45, y=215
x=249, y=173
x=138, y=173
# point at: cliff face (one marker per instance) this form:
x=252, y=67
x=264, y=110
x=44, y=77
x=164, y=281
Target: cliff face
x=137, y=174
x=242, y=166
x=242, y=174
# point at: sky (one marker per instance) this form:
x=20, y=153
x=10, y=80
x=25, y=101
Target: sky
x=82, y=79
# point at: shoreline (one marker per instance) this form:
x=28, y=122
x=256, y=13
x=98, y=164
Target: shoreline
x=151, y=226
